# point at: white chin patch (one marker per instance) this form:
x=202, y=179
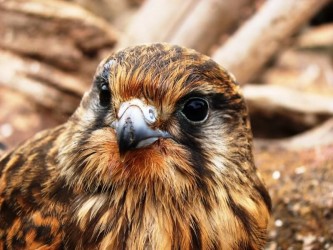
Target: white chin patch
x=146, y=142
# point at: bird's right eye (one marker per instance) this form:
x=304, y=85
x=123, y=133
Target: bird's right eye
x=104, y=95
x=196, y=110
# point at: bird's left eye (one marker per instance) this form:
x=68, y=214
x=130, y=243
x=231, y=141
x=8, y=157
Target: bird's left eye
x=104, y=95
x=195, y=109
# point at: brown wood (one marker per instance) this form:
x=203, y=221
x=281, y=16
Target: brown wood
x=42, y=83
x=192, y=23
x=59, y=33
x=318, y=38
x=156, y=21
x=274, y=97
x=245, y=53
x=208, y=20
x=278, y=111
x=317, y=137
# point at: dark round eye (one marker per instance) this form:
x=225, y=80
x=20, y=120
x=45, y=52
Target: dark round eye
x=104, y=95
x=195, y=109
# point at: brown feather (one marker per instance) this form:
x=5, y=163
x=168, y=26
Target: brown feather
x=70, y=188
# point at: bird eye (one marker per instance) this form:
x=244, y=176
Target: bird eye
x=104, y=95
x=195, y=109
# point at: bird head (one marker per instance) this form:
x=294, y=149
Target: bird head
x=159, y=112
x=165, y=127
x=165, y=92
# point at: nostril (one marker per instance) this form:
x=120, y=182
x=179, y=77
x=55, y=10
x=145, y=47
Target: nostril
x=151, y=114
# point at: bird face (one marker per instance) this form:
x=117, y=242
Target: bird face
x=154, y=111
x=164, y=129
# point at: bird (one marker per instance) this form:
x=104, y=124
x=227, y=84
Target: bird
x=158, y=155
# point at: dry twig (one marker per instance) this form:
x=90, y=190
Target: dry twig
x=263, y=35
x=192, y=23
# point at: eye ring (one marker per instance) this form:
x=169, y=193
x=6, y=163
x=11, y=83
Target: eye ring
x=195, y=110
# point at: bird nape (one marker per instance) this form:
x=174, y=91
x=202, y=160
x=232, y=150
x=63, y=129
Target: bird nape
x=157, y=156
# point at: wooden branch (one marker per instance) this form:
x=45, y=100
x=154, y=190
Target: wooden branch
x=277, y=97
x=192, y=23
x=109, y=10
x=56, y=32
x=281, y=112
x=46, y=85
x=319, y=136
x=207, y=21
x=315, y=138
x=317, y=38
x=308, y=70
x=245, y=53
x=155, y=21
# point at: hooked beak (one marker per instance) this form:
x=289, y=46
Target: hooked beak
x=133, y=126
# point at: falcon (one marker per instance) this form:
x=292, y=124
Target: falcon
x=157, y=156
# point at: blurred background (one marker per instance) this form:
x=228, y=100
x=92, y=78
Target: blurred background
x=281, y=53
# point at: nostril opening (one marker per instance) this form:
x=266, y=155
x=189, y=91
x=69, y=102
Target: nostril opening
x=151, y=114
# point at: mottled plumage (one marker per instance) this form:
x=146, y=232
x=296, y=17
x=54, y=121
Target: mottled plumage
x=157, y=156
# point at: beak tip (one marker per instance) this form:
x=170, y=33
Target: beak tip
x=125, y=139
